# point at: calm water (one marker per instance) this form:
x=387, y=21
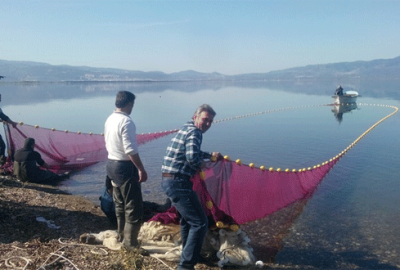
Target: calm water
x=353, y=217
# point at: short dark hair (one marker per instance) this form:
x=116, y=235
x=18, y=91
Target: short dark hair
x=29, y=143
x=123, y=98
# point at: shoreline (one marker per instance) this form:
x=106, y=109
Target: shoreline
x=38, y=220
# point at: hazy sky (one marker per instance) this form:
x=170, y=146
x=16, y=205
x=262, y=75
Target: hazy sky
x=229, y=37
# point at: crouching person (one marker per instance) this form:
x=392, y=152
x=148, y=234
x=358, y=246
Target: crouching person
x=26, y=161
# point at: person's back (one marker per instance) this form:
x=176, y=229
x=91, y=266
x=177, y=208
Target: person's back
x=26, y=162
x=25, y=168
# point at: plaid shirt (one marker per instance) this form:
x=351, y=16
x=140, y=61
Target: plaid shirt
x=183, y=154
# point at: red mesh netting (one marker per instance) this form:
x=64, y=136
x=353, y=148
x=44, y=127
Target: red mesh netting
x=229, y=190
x=231, y=193
x=67, y=151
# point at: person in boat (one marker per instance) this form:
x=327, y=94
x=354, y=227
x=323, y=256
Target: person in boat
x=125, y=169
x=7, y=119
x=26, y=169
x=339, y=91
x=182, y=160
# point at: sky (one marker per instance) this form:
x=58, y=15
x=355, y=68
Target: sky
x=229, y=37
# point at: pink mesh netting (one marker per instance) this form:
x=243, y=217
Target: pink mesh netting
x=236, y=194
x=231, y=191
x=67, y=151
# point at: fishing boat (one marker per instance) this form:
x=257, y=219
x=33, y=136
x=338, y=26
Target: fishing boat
x=344, y=97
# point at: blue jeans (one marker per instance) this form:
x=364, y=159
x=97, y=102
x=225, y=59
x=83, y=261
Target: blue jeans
x=194, y=222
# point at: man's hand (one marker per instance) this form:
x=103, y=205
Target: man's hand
x=142, y=176
x=217, y=155
x=203, y=164
x=14, y=124
x=139, y=165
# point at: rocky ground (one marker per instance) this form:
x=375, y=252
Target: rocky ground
x=40, y=228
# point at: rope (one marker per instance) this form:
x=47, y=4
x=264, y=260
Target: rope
x=238, y=161
x=59, y=257
x=43, y=266
x=10, y=264
x=161, y=261
x=267, y=111
x=104, y=252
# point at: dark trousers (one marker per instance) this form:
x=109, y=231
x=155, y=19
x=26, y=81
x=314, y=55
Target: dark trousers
x=128, y=195
x=194, y=222
x=2, y=147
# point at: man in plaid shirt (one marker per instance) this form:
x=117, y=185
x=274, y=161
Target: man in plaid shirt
x=181, y=161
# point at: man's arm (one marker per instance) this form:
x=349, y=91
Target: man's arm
x=7, y=119
x=192, y=147
x=14, y=124
x=139, y=165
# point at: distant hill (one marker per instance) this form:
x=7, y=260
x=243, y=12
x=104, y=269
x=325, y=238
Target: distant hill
x=376, y=69
x=17, y=71
x=20, y=71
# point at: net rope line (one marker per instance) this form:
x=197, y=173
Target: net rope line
x=262, y=167
x=64, y=150
x=234, y=193
x=224, y=187
x=145, y=137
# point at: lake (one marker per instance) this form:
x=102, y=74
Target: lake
x=353, y=217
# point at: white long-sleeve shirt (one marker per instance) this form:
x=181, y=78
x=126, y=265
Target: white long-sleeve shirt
x=120, y=136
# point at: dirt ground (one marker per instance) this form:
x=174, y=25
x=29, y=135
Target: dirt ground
x=40, y=228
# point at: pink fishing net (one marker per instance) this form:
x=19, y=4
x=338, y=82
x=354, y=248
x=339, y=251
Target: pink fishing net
x=230, y=193
x=66, y=151
x=234, y=193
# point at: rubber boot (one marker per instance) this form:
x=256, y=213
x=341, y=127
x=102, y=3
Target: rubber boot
x=121, y=228
x=130, y=239
x=131, y=233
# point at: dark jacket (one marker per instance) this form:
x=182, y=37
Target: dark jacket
x=25, y=164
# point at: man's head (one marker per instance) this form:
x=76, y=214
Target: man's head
x=203, y=117
x=125, y=101
x=29, y=143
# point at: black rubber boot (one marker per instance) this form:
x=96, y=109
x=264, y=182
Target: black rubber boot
x=131, y=233
x=121, y=228
x=131, y=243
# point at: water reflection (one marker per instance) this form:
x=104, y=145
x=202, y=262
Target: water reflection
x=35, y=92
x=338, y=110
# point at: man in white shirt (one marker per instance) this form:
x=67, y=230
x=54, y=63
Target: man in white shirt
x=125, y=169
